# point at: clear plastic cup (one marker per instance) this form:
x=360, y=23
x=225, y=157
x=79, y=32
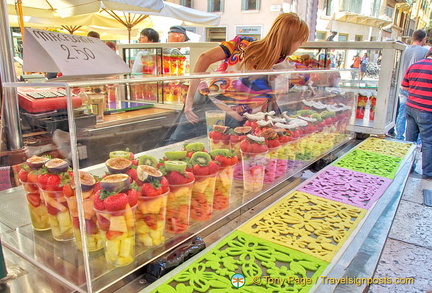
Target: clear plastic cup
x=37, y=208
x=59, y=216
x=178, y=208
x=202, y=197
x=93, y=235
x=150, y=219
x=118, y=231
x=270, y=168
x=214, y=117
x=223, y=186
x=219, y=144
x=254, y=165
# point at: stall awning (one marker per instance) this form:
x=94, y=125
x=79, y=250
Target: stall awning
x=355, y=18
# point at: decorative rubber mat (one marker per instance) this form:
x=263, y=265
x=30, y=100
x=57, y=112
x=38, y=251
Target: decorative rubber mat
x=311, y=224
x=243, y=263
x=350, y=187
x=370, y=163
x=385, y=147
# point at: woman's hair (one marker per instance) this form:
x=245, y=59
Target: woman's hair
x=151, y=34
x=287, y=29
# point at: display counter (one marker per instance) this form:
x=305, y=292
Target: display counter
x=314, y=123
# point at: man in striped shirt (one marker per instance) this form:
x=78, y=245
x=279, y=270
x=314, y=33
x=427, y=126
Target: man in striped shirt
x=418, y=82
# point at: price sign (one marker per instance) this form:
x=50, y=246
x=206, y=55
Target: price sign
x=72, y=55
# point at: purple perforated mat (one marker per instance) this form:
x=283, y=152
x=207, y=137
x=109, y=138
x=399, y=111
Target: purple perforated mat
x=350, y=187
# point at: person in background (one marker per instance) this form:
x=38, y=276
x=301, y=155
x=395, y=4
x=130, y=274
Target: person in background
x=177, y=34
x=363, y=64
x=112, y=45
x=93, y=34
x=147, y=35
x=332, y=36
x=355, y=65
x=287, y=33
x=412, y=54
x=418, y=82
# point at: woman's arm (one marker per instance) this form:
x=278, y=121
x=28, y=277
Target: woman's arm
x=204, y=61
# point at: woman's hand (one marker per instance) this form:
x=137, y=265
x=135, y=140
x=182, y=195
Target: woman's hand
x=190, y=115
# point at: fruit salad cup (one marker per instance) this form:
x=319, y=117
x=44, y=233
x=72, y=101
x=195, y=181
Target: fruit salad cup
x=220, y=144
x=253, y=170
x=37, y=208
x=202, y=197
x=150, y=219
x=59, y=216
x=178, y=208
x=118, y=231
x=282, y=160
x=93, y=235
x=270, y=167
x=222, y=192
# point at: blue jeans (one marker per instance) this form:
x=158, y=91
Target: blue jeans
x=419, y=123
x=400, y=119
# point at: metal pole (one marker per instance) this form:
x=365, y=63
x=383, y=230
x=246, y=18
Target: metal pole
x=10, y=114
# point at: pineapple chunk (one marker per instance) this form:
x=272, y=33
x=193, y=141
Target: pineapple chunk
x=112, y=250
x=118, y=223
x=127, y=247
x=64, y=221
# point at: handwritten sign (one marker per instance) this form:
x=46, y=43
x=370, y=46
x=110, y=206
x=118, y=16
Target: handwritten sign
x=72, y=55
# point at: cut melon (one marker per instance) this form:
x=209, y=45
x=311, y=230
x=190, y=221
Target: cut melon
x=118, y=223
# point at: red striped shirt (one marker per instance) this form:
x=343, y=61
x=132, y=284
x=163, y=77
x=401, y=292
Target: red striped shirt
x=418, y=80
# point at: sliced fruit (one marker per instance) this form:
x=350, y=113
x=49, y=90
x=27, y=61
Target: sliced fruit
x=120, y=154
x=145, y=172
x=243, y=130
x=57, y=165
x=175, y=155
x=194, y=147
x=269, y=133
x=36, y=162
x=200, y=158
x=178, y=166
x=87, y=181
x=220, y=128
x=118, y=165
x=216, y=152
x=255, y=138
x=147, y=160
x=115, y=182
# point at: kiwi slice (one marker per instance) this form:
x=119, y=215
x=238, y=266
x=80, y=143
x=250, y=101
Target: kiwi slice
x=119, y=154
x=147, y=160
x=178, y=166
x=194, y=147
x=175, y=155
x=216, y=152
x=200, y=158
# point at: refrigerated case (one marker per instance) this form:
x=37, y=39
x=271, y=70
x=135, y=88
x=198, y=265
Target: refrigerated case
x=67, y=267
x=378, y=90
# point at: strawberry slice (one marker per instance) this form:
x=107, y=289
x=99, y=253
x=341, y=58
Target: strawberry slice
x=34, y=199
x=116, y=202
x=110, y=235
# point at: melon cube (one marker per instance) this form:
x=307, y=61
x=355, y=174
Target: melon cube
x=118, y=223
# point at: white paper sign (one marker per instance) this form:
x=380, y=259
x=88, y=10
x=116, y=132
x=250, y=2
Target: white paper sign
x=72, y=55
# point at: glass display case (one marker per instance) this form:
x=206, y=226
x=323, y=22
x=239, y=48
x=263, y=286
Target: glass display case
x=378, y=85
x=105, y=221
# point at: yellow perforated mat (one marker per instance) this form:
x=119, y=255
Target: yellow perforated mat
x=385, y=147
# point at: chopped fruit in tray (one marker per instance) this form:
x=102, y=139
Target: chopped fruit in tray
x=152, y=198
x=178, y=203
x=116, y=219
x=89, y=187
x=227, y=160
x=28, y=176
x=51, y=179
x=205, y=171
x=220, y=137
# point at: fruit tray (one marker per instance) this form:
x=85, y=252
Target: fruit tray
x=346, y=186
x=370, y=163
x=249, y=258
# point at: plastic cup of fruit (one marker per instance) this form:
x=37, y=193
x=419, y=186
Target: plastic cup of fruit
x=253, y=170
x=270, y=167
x=238, y=170
x=118, y=231
x=150, y=219
x=219, y=144
x=37, y=208
x=222, y=192
x=202, y=197
x=282, y=160
x=93, y=235
x=59, y=216
x=178, y=208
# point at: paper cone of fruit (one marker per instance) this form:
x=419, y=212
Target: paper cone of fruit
x=254, y=150
x=179, y=197
x=227, y=160
x=219, y=137
x=28, y=176
x=89, y=186
x=205, y=172
x=151, y=210
x=273, y=144
x=115, y=204
x=51, y=187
